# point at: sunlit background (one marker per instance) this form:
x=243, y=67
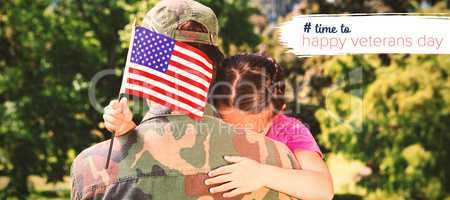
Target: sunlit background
x=383, y=120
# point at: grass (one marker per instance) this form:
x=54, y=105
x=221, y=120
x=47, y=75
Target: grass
x=41, y=190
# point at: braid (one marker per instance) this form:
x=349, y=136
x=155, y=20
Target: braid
x=256, y=82
x=278, y=85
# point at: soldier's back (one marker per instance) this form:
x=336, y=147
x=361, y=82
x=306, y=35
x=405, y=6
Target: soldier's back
x=169, y=158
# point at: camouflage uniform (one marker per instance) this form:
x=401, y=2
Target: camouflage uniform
x=168, y=157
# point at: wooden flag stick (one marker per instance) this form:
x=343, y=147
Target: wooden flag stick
x=111, y=142
x=122, y=89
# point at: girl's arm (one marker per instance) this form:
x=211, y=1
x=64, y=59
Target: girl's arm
x=313, y=181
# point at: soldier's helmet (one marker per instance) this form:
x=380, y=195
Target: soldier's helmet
x=167, y=15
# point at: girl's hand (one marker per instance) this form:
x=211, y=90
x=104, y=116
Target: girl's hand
x=244, y=176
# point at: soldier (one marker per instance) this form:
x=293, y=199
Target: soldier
x=169, y=155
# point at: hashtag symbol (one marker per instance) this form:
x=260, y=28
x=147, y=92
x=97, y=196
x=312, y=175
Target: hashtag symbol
x=307, y=27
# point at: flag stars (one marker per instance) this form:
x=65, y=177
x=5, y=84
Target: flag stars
x=151, y=50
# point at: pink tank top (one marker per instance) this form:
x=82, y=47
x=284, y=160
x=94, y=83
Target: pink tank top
x=293, y=133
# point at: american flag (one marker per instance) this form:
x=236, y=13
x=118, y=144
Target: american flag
x=168, y=72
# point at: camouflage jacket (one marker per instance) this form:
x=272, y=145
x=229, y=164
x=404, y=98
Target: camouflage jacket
x=168, y=157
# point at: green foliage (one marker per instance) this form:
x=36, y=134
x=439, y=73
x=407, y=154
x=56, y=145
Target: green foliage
x=49, y=52
x=402, y=131
x=235, y=27
x=389, y=111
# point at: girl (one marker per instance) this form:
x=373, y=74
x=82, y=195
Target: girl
x=249, y=92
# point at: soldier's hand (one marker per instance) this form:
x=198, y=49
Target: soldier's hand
x=118, y=117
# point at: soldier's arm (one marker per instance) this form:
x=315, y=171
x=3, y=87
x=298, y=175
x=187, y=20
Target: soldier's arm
x=77, y=185
x=74, y=192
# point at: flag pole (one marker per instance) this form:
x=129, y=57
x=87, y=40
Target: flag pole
x=122, y=91
x=111, y=142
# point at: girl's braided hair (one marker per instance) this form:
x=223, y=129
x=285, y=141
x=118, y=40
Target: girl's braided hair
x=249, y=82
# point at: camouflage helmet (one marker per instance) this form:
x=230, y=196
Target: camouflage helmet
x=167, y=15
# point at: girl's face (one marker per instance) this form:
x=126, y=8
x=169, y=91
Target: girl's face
x=259, y=122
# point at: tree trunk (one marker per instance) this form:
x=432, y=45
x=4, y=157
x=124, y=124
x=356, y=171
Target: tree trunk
x=18, y=185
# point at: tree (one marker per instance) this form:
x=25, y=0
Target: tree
x=351, y=97
x=235, y=27
x=399, y=124
x=49, y=52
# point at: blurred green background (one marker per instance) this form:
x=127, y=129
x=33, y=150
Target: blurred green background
x=383, y=120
